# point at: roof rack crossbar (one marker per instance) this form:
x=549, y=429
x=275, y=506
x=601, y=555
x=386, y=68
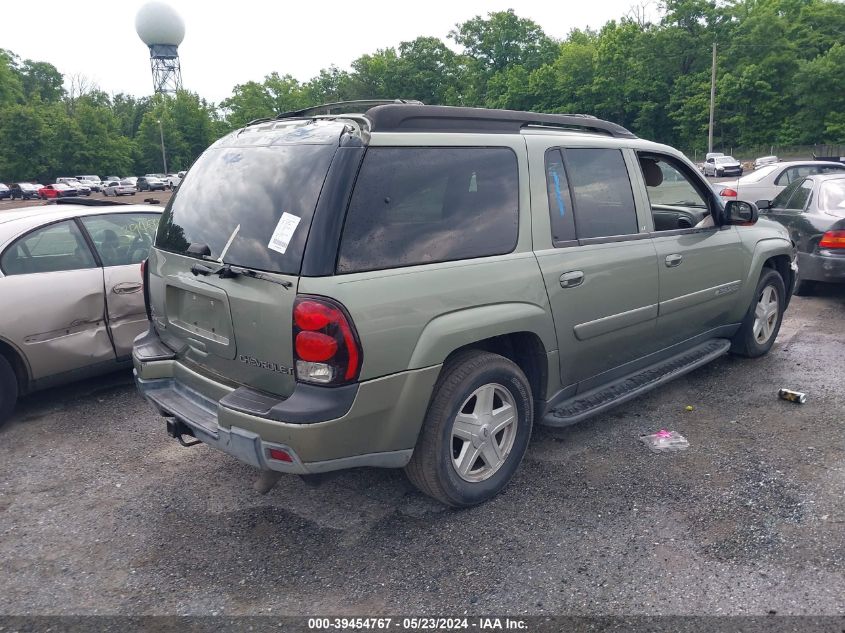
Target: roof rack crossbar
x=355, y=106
x=388, y=118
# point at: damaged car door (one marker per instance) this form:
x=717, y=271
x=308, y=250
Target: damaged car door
x=55, y=291
x=123, y=241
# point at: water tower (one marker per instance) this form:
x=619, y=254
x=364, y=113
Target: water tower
x=162, y=30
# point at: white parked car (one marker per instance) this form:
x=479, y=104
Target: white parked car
x=119, y=188
x=91, y=181
x=768, y=181
x=72, y=273
x=81, y=188
x=173, y=180
x=719, y=166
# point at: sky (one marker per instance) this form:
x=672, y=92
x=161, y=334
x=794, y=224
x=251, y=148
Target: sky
x=227, y=44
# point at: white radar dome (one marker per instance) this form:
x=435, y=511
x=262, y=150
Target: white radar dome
x=158, y=23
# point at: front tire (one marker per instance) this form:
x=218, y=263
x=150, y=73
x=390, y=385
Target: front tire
x=475, y=432
x=8, y=389
x=762, y=322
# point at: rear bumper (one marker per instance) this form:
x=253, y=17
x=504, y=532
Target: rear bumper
x=379, y=427
x=822, y=267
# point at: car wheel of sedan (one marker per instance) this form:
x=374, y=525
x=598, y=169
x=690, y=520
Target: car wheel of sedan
x=8, y=389
x=475, y=432
x=762, y=321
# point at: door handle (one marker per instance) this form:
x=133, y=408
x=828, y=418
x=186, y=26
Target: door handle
x=674, y=260
x=571, y=279
x=126, y=288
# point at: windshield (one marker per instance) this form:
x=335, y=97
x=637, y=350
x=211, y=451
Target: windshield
x=832, y=196
x=252, y=206
x=725, y=159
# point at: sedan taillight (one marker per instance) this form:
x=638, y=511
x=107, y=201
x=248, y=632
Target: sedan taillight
x=833, y=239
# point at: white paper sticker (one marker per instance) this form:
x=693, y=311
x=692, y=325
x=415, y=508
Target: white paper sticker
x=284, y=231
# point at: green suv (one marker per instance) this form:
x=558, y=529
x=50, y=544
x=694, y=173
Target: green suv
x=416, y=286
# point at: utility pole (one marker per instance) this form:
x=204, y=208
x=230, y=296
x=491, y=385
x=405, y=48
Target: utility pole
x=712, y=100
x=164, y=159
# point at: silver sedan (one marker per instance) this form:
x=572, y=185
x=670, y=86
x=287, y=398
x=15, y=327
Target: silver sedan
x=768, y=181
x=71, y=286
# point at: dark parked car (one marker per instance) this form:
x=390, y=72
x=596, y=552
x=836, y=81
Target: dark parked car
x=24, y=190
x=149, y=183
x=4, y=191
x=813, y=210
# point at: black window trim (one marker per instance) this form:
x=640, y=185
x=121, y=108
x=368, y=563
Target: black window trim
x=443, y=261
x=72, y=220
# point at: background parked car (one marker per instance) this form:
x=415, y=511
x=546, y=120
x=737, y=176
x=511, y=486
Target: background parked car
x=173, y=180
x=4, y=191
x=719, y=166
x=93, y=255
x=765, y=160
x=132, y=179
x=813, y=210
x=119, y=188
x=150, y=183
x=768, y=181
x=58, y=190
x=24, y=190
x=93, y=182
x=81, y=189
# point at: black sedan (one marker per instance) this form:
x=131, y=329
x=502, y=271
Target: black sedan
x=813, y=210
x=24, y=190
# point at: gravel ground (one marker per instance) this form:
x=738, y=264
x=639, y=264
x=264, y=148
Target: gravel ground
x=102, y=513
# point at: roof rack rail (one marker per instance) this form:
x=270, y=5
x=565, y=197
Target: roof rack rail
x=423, y=118
x=354, y=106
x=87, y=202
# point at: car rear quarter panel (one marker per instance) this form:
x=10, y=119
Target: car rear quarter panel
x=414, y=317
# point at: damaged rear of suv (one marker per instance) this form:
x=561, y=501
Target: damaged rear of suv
x=400, y=289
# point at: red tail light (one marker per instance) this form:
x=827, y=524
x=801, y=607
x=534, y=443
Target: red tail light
x=728, y=193
x=326, y=346
x=833, y=239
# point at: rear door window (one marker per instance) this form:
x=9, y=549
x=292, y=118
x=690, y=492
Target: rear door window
x=602, y=194
x=561, y=213
x=423, y=205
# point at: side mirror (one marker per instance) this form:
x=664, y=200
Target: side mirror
x=741, y=212
x=763, y=204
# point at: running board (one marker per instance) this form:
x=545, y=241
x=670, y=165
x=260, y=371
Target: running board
x=587, y=404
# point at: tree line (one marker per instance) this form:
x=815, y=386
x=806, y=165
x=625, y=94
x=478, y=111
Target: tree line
x=780, y=81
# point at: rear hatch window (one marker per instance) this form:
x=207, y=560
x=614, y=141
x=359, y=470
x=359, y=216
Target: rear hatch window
x=250, y=205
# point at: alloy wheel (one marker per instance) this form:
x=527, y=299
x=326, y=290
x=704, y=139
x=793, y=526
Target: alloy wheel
x=766, y=315
x=483, y=432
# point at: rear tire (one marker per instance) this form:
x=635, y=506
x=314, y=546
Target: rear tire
x=8, y=389
x=475, y=432
x=762, y=322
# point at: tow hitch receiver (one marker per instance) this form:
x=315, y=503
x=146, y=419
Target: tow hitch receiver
x=176, y=429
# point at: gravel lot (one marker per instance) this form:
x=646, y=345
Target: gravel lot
x=102, y=513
